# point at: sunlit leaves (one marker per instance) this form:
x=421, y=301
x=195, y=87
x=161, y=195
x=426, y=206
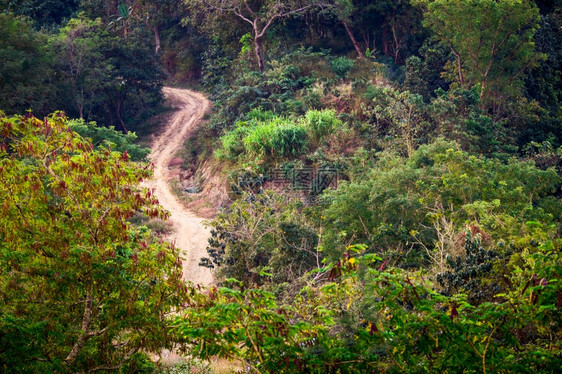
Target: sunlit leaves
x=70, y=258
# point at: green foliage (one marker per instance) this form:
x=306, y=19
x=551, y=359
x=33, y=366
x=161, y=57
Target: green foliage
x=463, y=268
x=24, y=70
x=81, y=65
x=259, y=232
x=456, y=115
x=108, y=81
x=44, y=13
x=423, y=74
x=322, y=123
x=108, y=137
x=191, y=366
x=400, y=115
x=279, y=137
x=492, y=40
x=281, y=89
x=341, y=66
x=544, y=83
x=367, y=317
x=139, y=363
x=80, y=286
x=246, y=40
x=266, y=136
x=470, y=268
x=416, y=207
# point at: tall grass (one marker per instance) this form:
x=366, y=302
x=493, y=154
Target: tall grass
x=265, y=135
x=321, y=123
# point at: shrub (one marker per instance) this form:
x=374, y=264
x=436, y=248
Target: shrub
x=291, y=139
x=232, y=143
x=341, y=66
x=279, y=137
x=321, y=122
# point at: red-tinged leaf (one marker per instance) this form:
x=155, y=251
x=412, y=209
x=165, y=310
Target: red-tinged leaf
x=383, y=265
x=373, y=329
x=454, y=312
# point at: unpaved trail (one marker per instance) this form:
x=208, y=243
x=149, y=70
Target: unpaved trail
x=189, y=234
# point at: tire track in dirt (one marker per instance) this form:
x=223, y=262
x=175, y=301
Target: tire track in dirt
x=189, y=234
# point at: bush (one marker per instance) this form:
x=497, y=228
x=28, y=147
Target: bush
x=415, y=207
x=291, y=139
x=232, y=142
x=278, y=137
x=341, y=66
x=321, y=123
x=275, y=137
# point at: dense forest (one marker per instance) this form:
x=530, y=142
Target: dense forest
x=390, y=192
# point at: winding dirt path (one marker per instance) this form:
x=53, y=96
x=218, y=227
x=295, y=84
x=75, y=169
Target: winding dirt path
x=189, y=234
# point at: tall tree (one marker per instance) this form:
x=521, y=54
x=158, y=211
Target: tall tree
x=24, y=65
x=81, y=65
x=261, y=15
x=81, y=289
x=45, y=13
x=344, y=10
x=492, y=40
x=107, y=78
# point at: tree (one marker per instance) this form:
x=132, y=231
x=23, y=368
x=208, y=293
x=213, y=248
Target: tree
x=261, y=236
x=413, y=208
x=261, y=15
x=492, y=41
x=81, y=65
x=24, y=65
x=136, y=85
x=343, y=10
x=82, y=290
x=111, y=80
x=45, y=13
x=151, y=14
x=364, y=316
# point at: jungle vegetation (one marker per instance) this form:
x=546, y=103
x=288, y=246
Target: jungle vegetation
x=395, y=169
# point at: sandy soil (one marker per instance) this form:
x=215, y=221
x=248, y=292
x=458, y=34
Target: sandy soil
x=189, y=234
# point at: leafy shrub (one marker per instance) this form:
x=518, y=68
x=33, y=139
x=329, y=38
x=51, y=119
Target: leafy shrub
x=416, y=206
x=278, y=89
x=370, y=317
x=110, y=138
x=232, y=142
x=260, y=236
x=291, y=139
x=341, y=66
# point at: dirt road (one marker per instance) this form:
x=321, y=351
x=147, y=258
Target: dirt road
x=189, y=234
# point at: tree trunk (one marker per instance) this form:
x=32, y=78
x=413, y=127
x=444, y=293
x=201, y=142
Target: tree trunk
x=156, y=39
x=397, y=43
x=353, y=40
x=459, y=65
x=86, y=319
x=119, y=110
x=259, y=53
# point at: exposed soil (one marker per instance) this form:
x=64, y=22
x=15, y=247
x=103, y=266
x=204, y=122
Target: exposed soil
x=189, y=234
